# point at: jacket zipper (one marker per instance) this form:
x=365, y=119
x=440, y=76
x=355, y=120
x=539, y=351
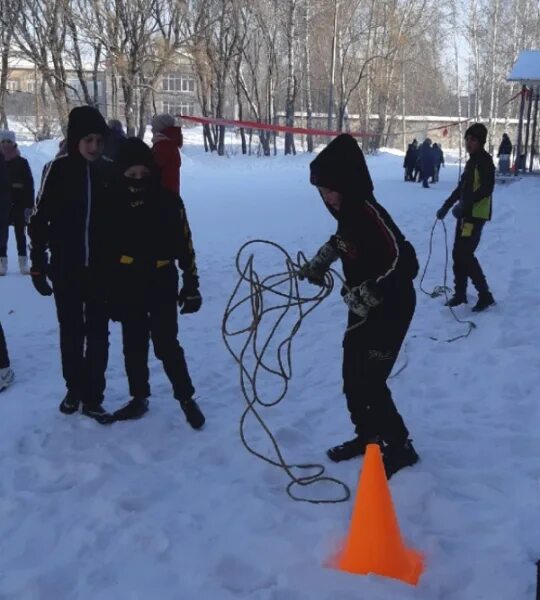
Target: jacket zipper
x=88, y=209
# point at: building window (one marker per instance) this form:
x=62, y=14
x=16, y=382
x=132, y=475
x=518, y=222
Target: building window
x=175, y=82
x=75, y=88
x=178, y=108
x=13, y=85
x=188, y=83
x=31, y=86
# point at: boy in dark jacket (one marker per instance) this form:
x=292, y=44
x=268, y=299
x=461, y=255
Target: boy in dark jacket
x=473, y=196
x=438, y=162
x=379, y=265
x=409, y=162
x=147, y=233
x=427, y=164
x=64, y=226
x=22, y=195
x=504, y=154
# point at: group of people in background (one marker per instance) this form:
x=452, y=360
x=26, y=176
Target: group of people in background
x=108, y=234
x=423, y=163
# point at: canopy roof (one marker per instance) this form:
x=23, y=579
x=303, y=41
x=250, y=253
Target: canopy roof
x=526, y=69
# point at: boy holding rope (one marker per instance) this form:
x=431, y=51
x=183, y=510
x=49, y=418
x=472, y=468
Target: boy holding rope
x=472, y=208
x=379, y=265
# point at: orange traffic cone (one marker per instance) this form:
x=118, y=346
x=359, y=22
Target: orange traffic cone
x=374, y=543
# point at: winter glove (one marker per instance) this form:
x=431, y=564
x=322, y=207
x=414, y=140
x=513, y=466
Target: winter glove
x=28, y=212
x=457, y=211
x=315, y=270
x=39, y=280
x=362, y=298
x=441, y=213
x=189, y=300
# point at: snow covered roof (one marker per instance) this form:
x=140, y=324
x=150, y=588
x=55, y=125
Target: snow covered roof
x=526, y=68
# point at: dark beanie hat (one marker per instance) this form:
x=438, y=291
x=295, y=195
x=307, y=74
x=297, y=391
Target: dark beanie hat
x=134, y=151
x=341, y=167
x=479, y=132
x=83, y=121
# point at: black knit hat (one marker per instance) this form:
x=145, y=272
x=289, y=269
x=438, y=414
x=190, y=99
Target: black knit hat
x=83, y=121
x=341, y=167
x=479, y=132
x=134, y=152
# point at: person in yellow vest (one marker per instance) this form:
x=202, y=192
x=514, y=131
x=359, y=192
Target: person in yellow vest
x=472, y=203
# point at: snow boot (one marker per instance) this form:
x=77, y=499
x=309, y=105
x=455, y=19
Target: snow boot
x=3, y=265
x=347, y=450
x=6, y=378
x=456, y=300
x=98, y=413
x=397, y=457
x=70, y=404
x=484, y=301
x=134, y=409
x=193, y=413
x=23, y=265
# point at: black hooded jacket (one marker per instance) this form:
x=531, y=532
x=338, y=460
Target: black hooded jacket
x=370, y=244
x=144, y=235
x=68, y=201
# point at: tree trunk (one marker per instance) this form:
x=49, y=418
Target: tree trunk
x=291, y=78
x=307, y=74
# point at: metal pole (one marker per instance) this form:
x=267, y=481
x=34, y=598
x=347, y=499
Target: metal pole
x=528, y=130
x=403, y=106
x=535, y=124
x=333, y=68
x=520, y=129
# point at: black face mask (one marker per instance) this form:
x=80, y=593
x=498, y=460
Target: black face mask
x=136, y=186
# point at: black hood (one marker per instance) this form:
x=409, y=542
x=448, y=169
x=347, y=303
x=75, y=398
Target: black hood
x=341, y=167
x=83, y=121
x=134, y=152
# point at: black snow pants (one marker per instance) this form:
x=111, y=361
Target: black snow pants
x=84, y=339
x=369, y=354
x=161, y=323
x=466, y=265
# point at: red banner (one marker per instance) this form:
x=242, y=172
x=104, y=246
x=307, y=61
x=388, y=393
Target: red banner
x=269, y=127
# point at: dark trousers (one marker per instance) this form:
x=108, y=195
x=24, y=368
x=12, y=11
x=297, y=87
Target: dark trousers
x=369, y=354
x=84, y=342
x=466, y=265
x=160, y=323
x=4, y=357
x=409, y=174
x=4, y=229
x=20, y=236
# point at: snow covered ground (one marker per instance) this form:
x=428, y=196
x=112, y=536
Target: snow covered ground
x=152, y=509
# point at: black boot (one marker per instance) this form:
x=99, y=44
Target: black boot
x=485, y=300
x=347, y=450
x=396, y=457
x=98, y=413
x=134, y=409
x=456, y=300
x=193, y=413
x=70, y=404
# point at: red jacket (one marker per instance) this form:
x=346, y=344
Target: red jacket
x=166, y=151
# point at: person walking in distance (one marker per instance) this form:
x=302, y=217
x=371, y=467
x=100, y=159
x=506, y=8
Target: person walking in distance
x=22, y=195
x=472, y=208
